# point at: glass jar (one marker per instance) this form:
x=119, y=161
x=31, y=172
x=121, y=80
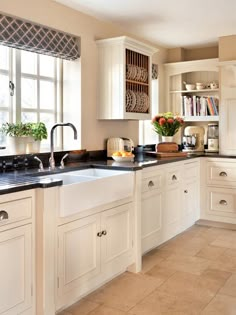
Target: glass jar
x=213, y=131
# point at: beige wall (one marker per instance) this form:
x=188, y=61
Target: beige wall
x=181, y=54
x=227, y=48
x=94, y=132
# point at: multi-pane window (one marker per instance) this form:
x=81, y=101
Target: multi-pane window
x=30, y=87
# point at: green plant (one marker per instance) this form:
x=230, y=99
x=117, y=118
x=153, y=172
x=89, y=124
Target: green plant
x=167, y=124
x=36, y=130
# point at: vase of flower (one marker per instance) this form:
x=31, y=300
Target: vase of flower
x=167, y=125
x=167, y=138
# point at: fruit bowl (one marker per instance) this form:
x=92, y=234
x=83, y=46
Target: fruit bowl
x=123, y=158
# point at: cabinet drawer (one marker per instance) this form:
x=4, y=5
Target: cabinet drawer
x=15, y=210
x=191, y=170
x=221, y=173
x=222, y=202
x=173, y=176
x=151, y=183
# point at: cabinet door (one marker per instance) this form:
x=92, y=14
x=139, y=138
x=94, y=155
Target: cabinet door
x=172, y=211
x=78, y=253
x=15, y=270
x=190, y=204
x=116, y=242
x=151, y=219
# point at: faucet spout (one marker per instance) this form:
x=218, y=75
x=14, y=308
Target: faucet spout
x=52, y=160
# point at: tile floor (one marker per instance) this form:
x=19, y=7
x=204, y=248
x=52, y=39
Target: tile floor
x=194, y=273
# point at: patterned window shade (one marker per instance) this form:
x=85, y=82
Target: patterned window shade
x=24, y=35
x=154, y=71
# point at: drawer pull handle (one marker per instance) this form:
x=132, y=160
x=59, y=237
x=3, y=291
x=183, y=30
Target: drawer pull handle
x=151, y=184
x=223, y=202
x=104, y=232
x=99, y=234
x=3, y=215
x=185, y=191
x=174, y=177
x=224, y=174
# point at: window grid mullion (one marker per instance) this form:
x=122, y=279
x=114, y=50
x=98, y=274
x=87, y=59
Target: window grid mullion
x=18, y=86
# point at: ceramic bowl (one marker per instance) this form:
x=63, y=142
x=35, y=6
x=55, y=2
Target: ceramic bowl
x=190, y=87
x=123, y=158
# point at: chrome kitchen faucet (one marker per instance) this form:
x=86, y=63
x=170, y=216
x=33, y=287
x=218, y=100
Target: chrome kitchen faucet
x=52, y=160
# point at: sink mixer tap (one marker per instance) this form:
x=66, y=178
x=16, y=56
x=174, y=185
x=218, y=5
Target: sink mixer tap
x=52, y=160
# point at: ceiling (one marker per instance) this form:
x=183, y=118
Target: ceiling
x=169, y=23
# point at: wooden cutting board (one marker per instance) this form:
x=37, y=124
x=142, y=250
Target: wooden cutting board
x=167, y=154
x=167, y=147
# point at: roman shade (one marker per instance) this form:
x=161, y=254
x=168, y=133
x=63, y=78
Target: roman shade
x=36, y=38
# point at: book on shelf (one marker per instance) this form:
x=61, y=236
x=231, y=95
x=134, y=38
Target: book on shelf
x=199, y=106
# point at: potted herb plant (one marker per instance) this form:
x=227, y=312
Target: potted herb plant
x=24, y=137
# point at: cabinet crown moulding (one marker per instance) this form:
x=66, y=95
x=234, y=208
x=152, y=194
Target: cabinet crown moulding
x=131, y=43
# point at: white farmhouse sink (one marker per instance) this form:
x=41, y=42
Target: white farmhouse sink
x=89, y=188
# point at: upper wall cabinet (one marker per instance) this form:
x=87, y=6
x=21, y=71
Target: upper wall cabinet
x=199, y=100
x=124, y=79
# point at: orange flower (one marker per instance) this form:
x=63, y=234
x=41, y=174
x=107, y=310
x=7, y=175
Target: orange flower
x=170, y=120
x=162, y=121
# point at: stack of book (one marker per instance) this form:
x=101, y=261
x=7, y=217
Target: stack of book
x=200, y=106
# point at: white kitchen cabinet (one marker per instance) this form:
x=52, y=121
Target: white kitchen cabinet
x=151, y=219
x=16, y=270
x=92, y=250
x=17, y=279
x=227, y=139
x=170, y=201
x=191, y=184
x=78, y=252
x=151, y=208
x=218, y=190
x=124, y=76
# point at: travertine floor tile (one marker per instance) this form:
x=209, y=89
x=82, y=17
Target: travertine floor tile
x=211, y=252
x=104, y=310
x=221, y=305
x=125, y=291
x=226, y=239
x=191, y=264
x=224, y=262
x=83, y=307
x=64, y=313
x=161, y=272
x=230, y=287
x=158, y=303
x=191, y=287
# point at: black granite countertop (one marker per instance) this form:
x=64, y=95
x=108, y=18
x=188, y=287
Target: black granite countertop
x=32, y=178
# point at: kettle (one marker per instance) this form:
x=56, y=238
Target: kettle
x=119, y=144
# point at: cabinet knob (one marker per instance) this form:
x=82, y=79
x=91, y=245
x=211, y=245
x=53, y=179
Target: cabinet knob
x=185, y=191
x=223, y=202
x=99, y=234
x=3, y=215
x=224, y=174
x=104, y=232
x=151, y=184
x=174, y=177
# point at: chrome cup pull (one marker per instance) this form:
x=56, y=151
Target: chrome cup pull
x=174, y=177
x=223, y=174
x=223, y=202
x=3, y=215
x=151, y=184
x=99, y=234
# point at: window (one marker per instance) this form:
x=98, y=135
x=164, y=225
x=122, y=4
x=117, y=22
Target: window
x=146, y=133
x=31, y=87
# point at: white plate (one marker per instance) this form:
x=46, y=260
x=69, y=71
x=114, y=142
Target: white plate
x=123, y=158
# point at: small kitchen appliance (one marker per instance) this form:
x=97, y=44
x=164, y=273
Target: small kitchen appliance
x=119, y=144
x=193, y=139
x=213, y=138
